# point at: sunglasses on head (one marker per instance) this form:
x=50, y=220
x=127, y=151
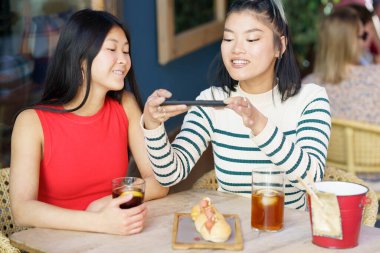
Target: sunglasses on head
x=363, y=36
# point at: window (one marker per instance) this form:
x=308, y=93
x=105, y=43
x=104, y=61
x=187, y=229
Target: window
x=29, y=32
x=172, y=45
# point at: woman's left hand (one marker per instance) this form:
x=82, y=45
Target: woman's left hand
x=252, y=118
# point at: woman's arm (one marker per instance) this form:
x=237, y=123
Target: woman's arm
x=153, y=189
x=172, y=163
x=26, y=156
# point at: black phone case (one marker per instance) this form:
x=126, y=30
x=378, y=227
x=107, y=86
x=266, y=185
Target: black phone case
x=195, y=102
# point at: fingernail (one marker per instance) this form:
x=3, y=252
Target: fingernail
x=227, y=100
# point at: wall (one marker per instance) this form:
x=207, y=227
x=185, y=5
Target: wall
x=185, y=77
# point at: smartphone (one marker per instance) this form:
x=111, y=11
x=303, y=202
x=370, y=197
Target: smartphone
x=195, y=102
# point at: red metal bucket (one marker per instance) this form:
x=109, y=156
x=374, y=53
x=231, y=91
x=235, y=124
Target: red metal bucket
x=351, y=199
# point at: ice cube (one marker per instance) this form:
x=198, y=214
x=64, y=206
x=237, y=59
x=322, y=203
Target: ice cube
x=268, y=197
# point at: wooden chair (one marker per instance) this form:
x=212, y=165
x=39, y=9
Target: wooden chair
x=8, y=226
x=355, y=147
x=6, y=246
x=208, y=181
x=370, y=210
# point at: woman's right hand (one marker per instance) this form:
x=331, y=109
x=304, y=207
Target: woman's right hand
x=155, y=114
x=115, y=220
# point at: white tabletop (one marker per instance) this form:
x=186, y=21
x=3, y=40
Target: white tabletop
x=157, y=234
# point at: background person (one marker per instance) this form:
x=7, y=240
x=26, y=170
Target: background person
x=371, y=40
x=353, y=89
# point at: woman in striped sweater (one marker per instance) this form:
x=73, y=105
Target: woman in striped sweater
x=269, y=121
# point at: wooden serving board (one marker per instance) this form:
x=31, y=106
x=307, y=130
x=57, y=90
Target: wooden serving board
x=185, y=236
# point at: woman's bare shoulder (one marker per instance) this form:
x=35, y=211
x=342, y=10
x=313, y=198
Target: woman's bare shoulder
x=130, y=104
x=28, y=118
x=128, y=97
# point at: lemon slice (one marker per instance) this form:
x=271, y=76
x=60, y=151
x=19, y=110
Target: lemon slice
x=134, y=193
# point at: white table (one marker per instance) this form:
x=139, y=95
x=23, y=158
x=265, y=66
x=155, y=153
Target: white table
x=157, y=234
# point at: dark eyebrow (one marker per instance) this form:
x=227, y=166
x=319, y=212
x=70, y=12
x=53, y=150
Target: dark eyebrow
x=248, y=31
x=115, y=40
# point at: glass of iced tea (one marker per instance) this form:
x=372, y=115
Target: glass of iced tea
x=129, y=185
x=267, y=210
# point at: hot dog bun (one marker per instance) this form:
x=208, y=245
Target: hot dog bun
x=209, y=222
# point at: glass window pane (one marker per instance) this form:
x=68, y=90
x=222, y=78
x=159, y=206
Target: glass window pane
x=29, y=31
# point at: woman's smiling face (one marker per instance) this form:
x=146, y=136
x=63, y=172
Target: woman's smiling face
x=248, y=49
x=112, y=63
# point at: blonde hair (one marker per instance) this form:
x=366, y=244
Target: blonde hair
x=338, y=45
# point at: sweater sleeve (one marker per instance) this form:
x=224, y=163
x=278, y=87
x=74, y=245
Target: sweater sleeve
x=172, y=163
x=307, y=154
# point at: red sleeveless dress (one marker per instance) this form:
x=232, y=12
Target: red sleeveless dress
x=82, y=155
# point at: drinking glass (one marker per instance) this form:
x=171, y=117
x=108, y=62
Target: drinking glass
x=129, y=185
x=267, y=210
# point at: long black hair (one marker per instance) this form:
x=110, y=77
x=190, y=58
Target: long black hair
x=80, y=41
x=287, y=74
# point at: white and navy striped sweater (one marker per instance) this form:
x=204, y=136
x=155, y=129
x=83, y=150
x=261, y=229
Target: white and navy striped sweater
x=295, y=140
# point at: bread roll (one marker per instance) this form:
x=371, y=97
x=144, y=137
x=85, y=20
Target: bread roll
x=209, y=222
x=197, y=209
